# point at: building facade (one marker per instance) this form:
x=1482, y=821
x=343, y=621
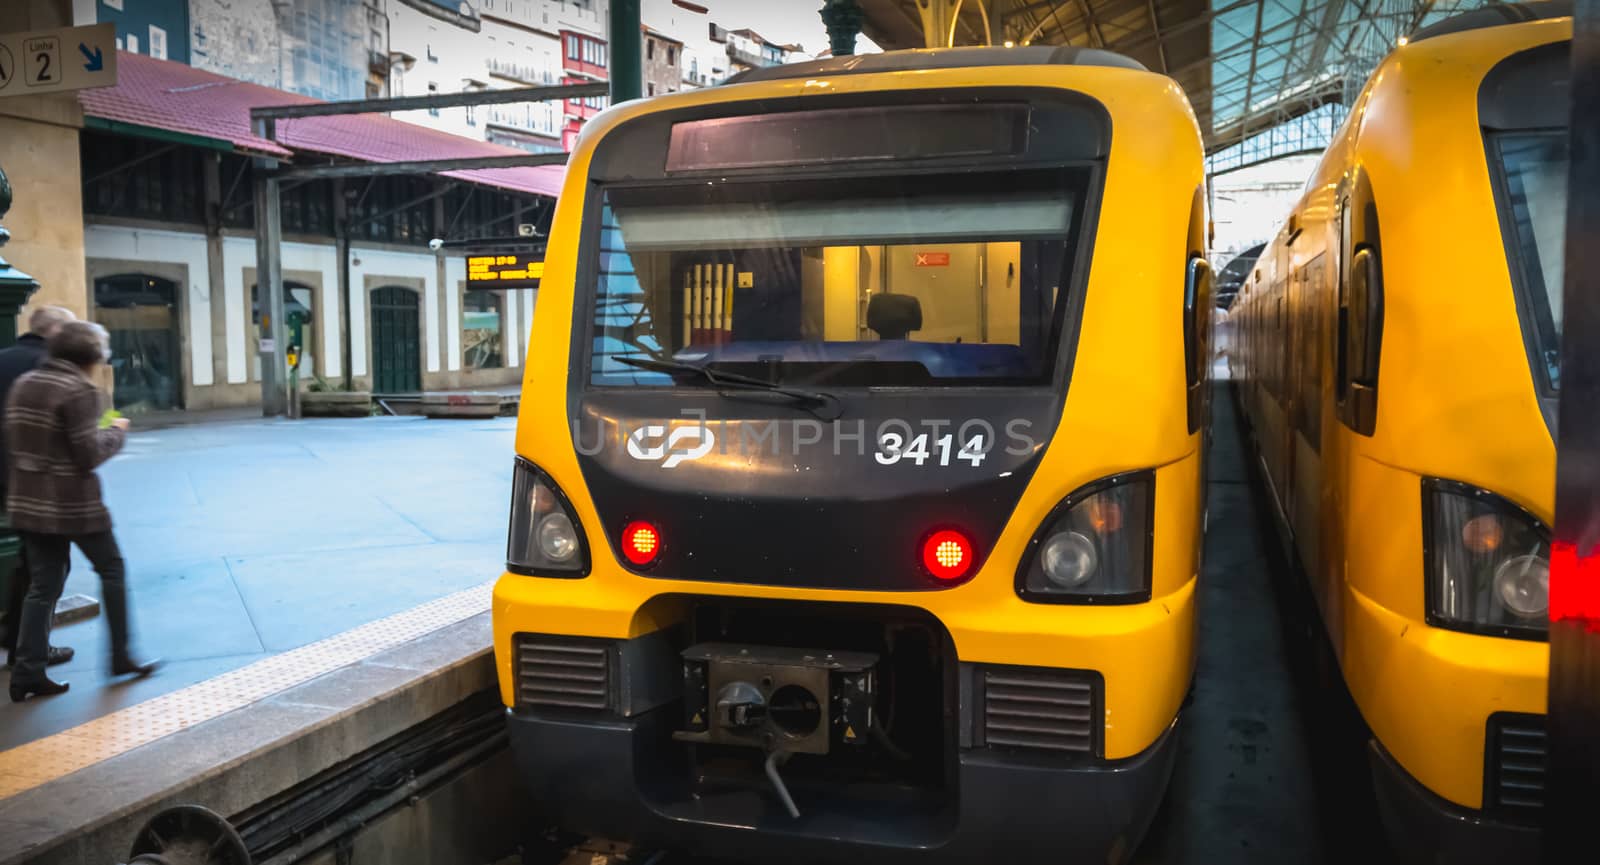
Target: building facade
x=438, y=47
x=326, y=49
x=663, y=62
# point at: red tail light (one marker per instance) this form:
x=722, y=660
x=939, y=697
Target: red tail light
x=641, y=542
x=947, y=554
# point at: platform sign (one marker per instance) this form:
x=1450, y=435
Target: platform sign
x=68, y=58
x=491, y=272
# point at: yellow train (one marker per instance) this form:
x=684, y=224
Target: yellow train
x=858, y=489
x=1397, y=357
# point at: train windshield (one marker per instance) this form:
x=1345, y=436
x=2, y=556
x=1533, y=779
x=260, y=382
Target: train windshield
x=1535, y=177
x=915, y=280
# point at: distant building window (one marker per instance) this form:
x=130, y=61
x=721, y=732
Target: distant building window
x=472, y=115
x=572, y=48
x=158, y=42
x=650, y=89
x=650, y=49
x=433, y=90
x=114, y=4
x=133, y=44
x=480, y=330
x=672, y=56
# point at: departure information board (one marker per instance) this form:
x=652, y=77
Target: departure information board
x=504, y=271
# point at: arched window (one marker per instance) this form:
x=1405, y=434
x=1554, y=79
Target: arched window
x=141, y=313
x=299, y=324
x=481, y=328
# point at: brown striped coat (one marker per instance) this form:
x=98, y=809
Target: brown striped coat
x=53, y=446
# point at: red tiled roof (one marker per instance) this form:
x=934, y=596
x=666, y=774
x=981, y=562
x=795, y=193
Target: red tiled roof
x=180, y=98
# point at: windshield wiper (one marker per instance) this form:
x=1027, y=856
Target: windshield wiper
x=734, y=381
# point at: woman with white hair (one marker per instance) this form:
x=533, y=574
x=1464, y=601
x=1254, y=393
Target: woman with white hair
x=55, y=441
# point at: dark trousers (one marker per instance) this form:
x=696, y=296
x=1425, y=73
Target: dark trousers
x=48, y=557
x=16, y=592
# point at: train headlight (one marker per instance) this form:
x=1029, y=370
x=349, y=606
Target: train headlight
x=545, y=540
x=1487, y=563
x=558, y=539
x=1094, y=548
x=1068, y=559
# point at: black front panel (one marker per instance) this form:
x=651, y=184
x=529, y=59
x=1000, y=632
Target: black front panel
x=781, y=498
x=736, y=269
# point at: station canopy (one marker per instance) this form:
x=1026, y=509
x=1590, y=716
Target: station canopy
x=1268, y=78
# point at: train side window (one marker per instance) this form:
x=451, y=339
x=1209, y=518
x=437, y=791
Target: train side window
x=1360, y=310
x=1198, y=306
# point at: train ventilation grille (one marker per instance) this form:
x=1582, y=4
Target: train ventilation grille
x=1517, y=754
x=563, y=672
x=1048, y=710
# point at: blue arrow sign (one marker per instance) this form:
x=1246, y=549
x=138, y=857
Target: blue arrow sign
x=95, y=61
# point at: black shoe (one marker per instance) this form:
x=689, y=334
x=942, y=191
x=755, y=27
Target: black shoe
x=57, y=655
x=124, y=666
x=42, y=688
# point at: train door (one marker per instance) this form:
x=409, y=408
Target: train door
x=1305, y=434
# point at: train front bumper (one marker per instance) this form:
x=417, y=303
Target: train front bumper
x=617, y=778
x=1426, y=828
x=1433, y=699
x=619, y=773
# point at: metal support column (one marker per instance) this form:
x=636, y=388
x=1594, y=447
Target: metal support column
x=269, y=281
x=842, y=18
x=1573, y=792
x=341, y=245
x=938, y=21
x=627, y=52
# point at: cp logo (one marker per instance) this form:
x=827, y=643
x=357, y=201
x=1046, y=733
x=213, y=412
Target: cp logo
x=663, y=445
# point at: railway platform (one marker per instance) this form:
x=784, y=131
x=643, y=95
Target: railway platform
x=248, y=539
x=338, y=695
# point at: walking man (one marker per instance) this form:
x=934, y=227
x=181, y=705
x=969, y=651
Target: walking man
x=21, y=358
x=54, y=442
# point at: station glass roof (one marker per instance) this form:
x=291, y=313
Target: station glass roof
x=1266, y=77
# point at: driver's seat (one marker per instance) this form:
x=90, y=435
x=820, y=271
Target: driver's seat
x=894, y=316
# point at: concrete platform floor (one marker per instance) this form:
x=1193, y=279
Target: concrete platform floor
x=249, y=538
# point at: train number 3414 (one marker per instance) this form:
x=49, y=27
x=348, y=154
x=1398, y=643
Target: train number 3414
x=892, y=448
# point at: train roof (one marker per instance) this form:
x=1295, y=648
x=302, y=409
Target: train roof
x=941, y=58
x=1496, y=16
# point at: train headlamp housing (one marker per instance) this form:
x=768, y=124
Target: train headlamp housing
x=1095, y=547
x=1487, y=563
x=545, y=539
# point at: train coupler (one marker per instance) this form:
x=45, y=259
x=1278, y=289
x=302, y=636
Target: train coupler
x=798, y=701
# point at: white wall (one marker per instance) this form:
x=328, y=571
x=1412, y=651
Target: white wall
x=412, y=265
x=238, y=254
x=441, y=333
x=171, y=247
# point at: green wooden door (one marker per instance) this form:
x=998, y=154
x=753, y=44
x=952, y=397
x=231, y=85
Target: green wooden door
x=396, y=341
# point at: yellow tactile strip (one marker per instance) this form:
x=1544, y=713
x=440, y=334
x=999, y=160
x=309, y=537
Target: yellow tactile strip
x=39, y=762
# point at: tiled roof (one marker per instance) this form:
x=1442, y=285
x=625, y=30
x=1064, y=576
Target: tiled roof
x=180, y=98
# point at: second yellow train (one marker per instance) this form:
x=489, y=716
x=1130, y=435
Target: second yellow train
x=1396, y=353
